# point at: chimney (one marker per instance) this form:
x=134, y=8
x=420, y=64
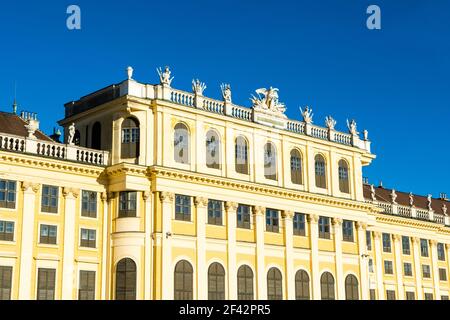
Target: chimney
x=443, y=196
x=381, y=184
x=365, y=180
x=56, y=136
x=32, y=122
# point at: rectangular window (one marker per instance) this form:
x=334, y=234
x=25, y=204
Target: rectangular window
x=390, y=295
x=88, y=238
x=324, y=227
x=371, y=265
x=127, y=204
x=46, y=284
x=272, y=221
x=299, y=224
x=130, y=135
x=444, y=297
x=410, y=295
x=48, y=234
x=373, y=295
x=407, y=269
x=442, y=274
x=89, y=204
x=5, y=282
x=426, y=271
x=386, y=242
x=243, y=216
x=182, y=207
x=406, y=247
x=87, y=285
x=441, y=251
x=428, y=296
x=215, y=212
x=369, y=240
x=388, y=269
x=347, y=230
x=50, y=196
x=6, y=231
x=7, y=194
x=424, y=247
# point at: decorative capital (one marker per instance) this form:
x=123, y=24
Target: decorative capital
x=336, y=221
x=231, y=206
x=433, y=243
x=146, y=195
x=377, y=235
x=360, y=225
x=30, y=186
x=200, y=202
x=313, y=218
x=68, y=191
x=286, y=214
x=258, y=210
x=104, y=196
x=415, y=240
x=396, y=237
x=166, y=196
x=447, y=246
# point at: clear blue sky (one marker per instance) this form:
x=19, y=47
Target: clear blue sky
x=394, y=82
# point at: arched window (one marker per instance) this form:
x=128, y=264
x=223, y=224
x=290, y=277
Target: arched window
x=320, y=170
x=181, y=144
x=96, y=142
x=183, y=281
x=327, y=286
x=274, y=285
x=270, y=161
x=296, y=167
x=130, y=138
x=212, y=150
x=126, y=280
x=216, y=282
x=245, y=283
x=351, y=288
x=343, y=177
x=301, y=285
x=77, y=138
x=241, y=155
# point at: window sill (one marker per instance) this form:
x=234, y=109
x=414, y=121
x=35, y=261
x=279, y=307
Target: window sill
x=80, y=248
x=6, y=242
x=47, y=245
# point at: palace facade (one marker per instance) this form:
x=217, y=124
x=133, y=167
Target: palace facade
x=158, y=193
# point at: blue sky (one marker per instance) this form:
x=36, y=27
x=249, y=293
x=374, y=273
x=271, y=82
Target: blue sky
x=393, y=81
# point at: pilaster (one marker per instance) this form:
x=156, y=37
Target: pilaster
x=337, y=225
x=435, y=269
x=417, y=267
x=363, y=266
x=148, y=261
x=202, y=274
x=166, y=199
x=399, y=266
x=289, y=253
x=379, y=265
x=313, y=220
x=258, y=213
x=231, y=208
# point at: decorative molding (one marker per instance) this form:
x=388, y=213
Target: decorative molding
x=360, y=225
x=396, y=237
x=200, y=202
x=313, y=218
x=377, y=235
x=257, y=210
x=70, y=191
x=166, y=196
x=27, y=185
x=104, y=196
x=146, y=195
x=336, y=222
x=231, y=206
x=287, y=214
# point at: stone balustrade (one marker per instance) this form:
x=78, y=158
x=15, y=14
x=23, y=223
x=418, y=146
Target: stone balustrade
x=53, y=150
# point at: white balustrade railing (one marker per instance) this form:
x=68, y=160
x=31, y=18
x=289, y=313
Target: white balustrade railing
x=423, y=214
x=404, y=211
x=318, y=132
x=241, y=113
x=182, y=97
x=53, y=150
x=343, y=138
x=296, y=126
x=439, y=218
x=386, y=206
x=213, y=105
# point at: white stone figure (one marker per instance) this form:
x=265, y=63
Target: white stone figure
x=130, y=73
x=366, y=135
x=429, y=202
x=372, y=192
x=267, y=99
x=307, y=114
x=444, y=209
x=330, y=122
x=352, y=127
x=71, y=134
x=198, y=87
x=164, y=76
x=226, y=92
x=394, y=196
x=411, y=199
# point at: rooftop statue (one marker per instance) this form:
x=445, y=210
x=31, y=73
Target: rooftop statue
x=330, y=122
x=372, y=192
x=352, y=127
x=411, y=199
x=198, y=87
x=71, y=134
x=429, y=202
x=226, y=92
x=267, y=100
x=164, y=76
x=393, y=196
x=444, y=208
x=307, y=115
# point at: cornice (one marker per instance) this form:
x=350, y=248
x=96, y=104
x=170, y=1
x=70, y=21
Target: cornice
x=178, y=175
x=126, y=168
x=384, y=218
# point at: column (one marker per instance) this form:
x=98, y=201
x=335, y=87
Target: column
x=399, y=266
x=105, y=244
x=417, y=267
x=258, y=213
x=148, y=261
x=435, y=269
x=363, y=258
x=313, y=220
x=289, y=253
x=337, y=225
x=379, y=265
x=447, y=247
x=26, y=250
x=231, y=208
x=202, y=272
x=166, y=245
x=70, y=196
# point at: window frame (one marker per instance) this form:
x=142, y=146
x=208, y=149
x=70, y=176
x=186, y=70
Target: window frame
x=299, y=224
x=387, y=242
x=216, y=281
x=183, y=207
x=426, y=271
x=245, y=281
x=272, y=220
x=241, y=155
x=270, y=161
x=320, y=171
x=47, y=198
x=274, y=280
x=183, y=290
x=215, y=212
x=6, y=282
x=344, y=176
x=327, y=286
x=241, y=221
x=5, y=235
x=302, y=285
x=47, y=238
x=178, y=130
x=406, y=251
x=7, y=191
x=388, y=267
x=88, y=213
x=49, y=288
x=348, y=234
x=407, y=272
x=88, y=291
x=126, y=212
x=217, y=149
x=424, y=250
x=296, y=164
x=325, y=224
x=88, y=243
